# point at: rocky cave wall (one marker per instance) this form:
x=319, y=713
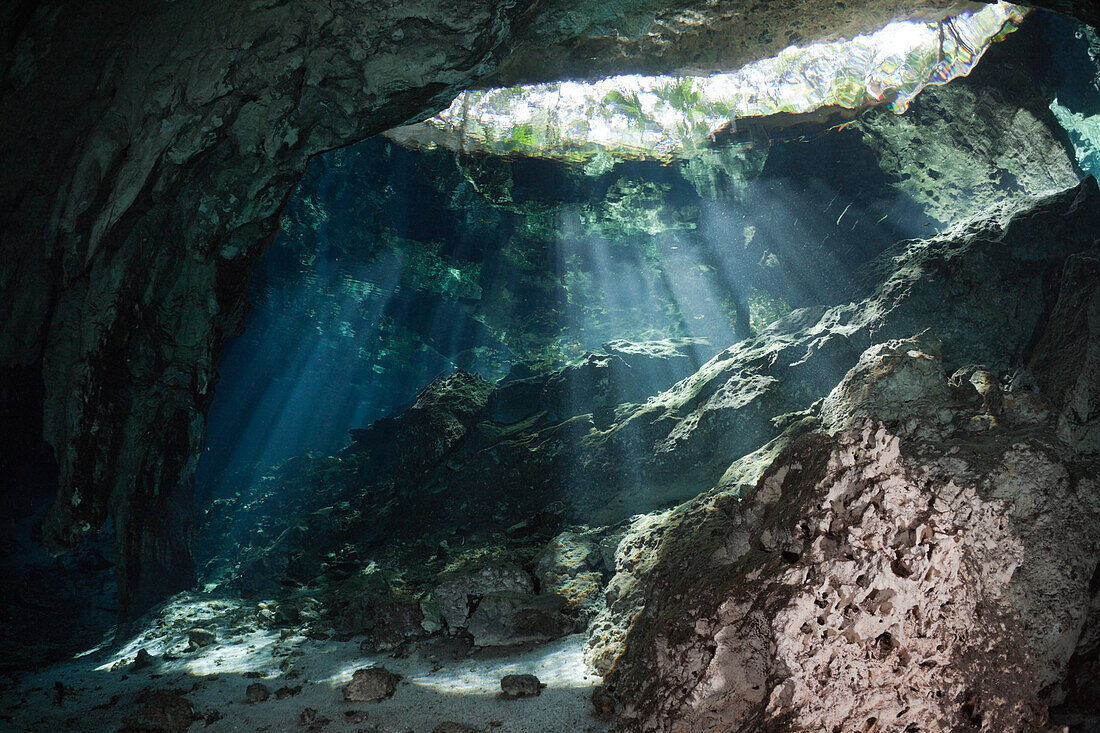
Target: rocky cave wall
x=147, y=150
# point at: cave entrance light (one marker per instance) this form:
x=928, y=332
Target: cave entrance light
x=668, y=118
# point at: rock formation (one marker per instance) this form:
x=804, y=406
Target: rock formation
x=914, y=551
x=148, y=149
x=918, y=562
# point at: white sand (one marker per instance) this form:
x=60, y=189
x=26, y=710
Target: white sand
x=434, y=688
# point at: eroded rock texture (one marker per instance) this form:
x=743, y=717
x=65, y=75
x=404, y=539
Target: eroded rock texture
x=988, y=137
x=916, y=551
x=147, y=149
x=932, y=570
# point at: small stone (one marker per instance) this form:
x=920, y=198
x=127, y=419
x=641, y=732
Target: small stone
x=162, y=711
x=355, y=717
x=449, y=727
x=371, y=685
x=142, y=660
x=516, y=686
x=257, y=692
x=286, y=691
x=310, y=718
x=201, y=637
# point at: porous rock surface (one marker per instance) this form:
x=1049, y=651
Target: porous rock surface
x=370, y=685
x=914, y=562
x=986, y=138
x=147, y=150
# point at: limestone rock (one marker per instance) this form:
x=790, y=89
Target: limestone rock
x=979, y=286
x=891, y=381
x=872, y=574
x=503, y=619
x=625, y=372
x=371, y=685
x=1066, y=361
x=368, y=604
x=457, y=591
x=257, y=692
x=198, y=638
x=957, y=167
x=515, y=686
x=142, y=660
x=603, y=703
x=571, y=567
x=311, y=719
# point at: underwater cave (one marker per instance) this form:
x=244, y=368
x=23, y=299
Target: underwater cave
x=484, y=366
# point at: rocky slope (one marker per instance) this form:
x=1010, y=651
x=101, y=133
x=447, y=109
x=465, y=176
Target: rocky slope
x=837, y=448
x=917, y=550
x=927, y=558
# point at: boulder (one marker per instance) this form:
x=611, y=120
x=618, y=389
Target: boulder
x=503, y=619
x=257, y=692
x=162, y=711
x=371, y=685
x=458, y=590
x=515, y=686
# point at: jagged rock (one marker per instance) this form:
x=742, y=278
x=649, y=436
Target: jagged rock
x=458, y=591
x=371, y=685
x=571, y=567
x=257, y=692
x=502, y=619
x=198, y=638
x=626, y=372
x=603, y=703
x=985, y=139
x=1066, y=361
x=367, y=604
x=979, y=286
x=515, y=686
x=891, y=381
x=161, y=712
x=311, y=719
x=286, y=691
x=142, y=660
x=871, y=574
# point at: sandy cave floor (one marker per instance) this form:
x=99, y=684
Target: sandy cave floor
x=438, y=684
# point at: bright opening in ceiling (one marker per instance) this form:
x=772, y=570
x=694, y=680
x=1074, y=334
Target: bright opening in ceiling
x=666, y=117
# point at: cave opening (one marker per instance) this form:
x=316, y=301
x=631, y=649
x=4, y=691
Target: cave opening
x=566, y=377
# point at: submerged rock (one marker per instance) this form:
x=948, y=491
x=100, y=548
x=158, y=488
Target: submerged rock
x=142, y=660
x=502, y=619
x=371, y=685
x=198, y=638
x=161, y=712
x=458, y=591
x=515, y=686
x=368, y=604
x=449, y=727
x=879, y=572
x=257, y=692
x=1065, y=363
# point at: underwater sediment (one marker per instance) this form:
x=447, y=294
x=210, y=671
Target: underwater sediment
x=770, y=427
